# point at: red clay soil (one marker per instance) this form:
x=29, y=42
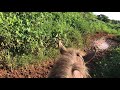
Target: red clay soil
x=32, y=71
x=91, y=38
x=41, y=70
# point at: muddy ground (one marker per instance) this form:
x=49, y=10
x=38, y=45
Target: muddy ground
x=41, y=70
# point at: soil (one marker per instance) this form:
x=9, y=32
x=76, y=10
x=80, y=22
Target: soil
x=32, y=71
x=41, y=70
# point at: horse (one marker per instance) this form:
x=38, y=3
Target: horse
x=70, y=64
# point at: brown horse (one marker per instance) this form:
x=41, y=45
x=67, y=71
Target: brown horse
x=70, y=64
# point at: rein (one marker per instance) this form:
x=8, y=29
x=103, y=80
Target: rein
x=93, y=56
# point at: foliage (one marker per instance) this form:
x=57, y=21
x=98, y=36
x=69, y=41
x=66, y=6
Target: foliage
x=108, y=66
x=27, y=37
x=103, y=18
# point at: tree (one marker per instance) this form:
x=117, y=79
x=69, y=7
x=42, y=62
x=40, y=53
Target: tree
x=103, y=18
x=115, y=21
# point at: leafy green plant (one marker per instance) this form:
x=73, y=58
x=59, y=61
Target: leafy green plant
x=26, y=35
x=108, y=67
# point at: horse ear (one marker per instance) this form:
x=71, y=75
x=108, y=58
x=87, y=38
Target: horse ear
x=83, y=53
x=62, y=48
x=88, y=57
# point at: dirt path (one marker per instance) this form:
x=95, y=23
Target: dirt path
x=32, y=71
x=102, y=41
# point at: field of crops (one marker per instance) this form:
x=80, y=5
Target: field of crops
x=31, y=37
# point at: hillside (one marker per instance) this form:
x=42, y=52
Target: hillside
x=28, y=38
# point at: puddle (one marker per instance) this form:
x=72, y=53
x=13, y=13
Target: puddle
x=101, y=44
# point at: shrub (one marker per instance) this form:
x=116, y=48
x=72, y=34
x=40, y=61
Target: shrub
x=108, y=66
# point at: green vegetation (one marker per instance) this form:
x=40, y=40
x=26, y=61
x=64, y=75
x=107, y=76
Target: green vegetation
x=29, y=37
x=112, y=24
x=108, y=66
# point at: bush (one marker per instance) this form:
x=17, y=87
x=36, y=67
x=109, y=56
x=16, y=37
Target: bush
x=108, y=66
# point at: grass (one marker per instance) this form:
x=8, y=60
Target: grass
x=108, y=66
x=29, y=37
